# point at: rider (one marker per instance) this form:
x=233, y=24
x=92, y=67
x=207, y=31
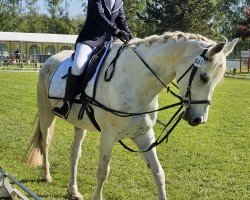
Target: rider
x=105, y=19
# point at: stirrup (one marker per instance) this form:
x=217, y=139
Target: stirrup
x=63, y=111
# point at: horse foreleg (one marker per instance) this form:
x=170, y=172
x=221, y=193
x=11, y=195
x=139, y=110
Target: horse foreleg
x=106, y=145
x=143, y=142
x=75, y=156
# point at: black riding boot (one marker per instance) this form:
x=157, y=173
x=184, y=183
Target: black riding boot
x=71, y=90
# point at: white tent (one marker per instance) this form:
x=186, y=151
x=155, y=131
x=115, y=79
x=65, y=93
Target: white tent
x=36, y=46
x=37, y=37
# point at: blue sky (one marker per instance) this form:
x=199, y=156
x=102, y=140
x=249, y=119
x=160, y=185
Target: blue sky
x=74, y=9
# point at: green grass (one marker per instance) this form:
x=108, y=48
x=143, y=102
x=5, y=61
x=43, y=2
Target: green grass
x=205, y=162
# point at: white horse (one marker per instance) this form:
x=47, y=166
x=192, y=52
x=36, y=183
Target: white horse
x=133, y=88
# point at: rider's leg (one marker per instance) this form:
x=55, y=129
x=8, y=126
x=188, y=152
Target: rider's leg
x=82, y=55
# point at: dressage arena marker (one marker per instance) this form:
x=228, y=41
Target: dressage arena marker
x=7, y=191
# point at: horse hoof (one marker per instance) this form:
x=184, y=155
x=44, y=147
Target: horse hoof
x=97, y=197
x=74, y=197
x=47, y=178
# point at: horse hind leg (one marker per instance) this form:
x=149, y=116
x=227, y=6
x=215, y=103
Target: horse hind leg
x=143, y=142
x=38, y=150
x=44, y=132
x=75, y=156
x=47, y=129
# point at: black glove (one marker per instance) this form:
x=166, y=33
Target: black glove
x=123, y=36
x=130, y=36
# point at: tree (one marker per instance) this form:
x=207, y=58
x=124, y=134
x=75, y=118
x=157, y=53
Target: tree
x=10, y=14
x=132, y=7
x=183, y=15
x=243, y=30
x=32, y=19
x=58, y=21
x=77, y=22
x=227, y=22
x=227, y=16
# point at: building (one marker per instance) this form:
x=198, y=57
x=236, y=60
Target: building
x=34, y=46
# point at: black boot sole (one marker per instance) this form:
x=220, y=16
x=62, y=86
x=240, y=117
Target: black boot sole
x=63, y=116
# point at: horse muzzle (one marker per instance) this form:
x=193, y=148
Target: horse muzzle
x=192, y=118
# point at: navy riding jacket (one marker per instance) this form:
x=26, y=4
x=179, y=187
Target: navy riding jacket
x=102, y=21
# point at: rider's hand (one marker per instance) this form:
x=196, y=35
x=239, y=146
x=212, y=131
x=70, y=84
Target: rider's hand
x=130, y=36
x=123, y=36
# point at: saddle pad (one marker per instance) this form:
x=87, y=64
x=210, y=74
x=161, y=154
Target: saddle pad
x=58, y=82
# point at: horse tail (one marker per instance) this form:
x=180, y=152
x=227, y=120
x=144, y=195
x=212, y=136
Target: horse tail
x=35, y=152
x=45, y=123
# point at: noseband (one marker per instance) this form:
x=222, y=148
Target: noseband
x=199, y=61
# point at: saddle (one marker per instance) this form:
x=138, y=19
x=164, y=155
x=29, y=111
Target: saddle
x=94, y=66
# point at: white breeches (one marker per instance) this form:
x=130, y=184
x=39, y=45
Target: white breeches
x=82, y=55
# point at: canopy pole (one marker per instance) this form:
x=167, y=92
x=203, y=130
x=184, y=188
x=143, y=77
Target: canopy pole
x=1, y=53
x=26, y=49
x=10, y=48
x=42, y=48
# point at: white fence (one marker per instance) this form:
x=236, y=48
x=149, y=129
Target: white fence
x=233, y=64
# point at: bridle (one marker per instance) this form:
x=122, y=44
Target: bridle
x=198, y=62
x=175, y=119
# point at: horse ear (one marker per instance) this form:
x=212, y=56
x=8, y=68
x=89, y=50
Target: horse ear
x=217, y=49
x=230, y=46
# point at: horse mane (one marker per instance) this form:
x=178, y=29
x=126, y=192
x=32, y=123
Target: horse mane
x=171, y=36
x=177, y=36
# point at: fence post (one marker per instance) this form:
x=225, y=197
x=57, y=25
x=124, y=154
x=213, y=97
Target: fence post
x=240, y=63
x=248, y=63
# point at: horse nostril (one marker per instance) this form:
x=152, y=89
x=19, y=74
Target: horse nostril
x=197, y=121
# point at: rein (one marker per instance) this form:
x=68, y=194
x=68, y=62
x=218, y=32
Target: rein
x=197, y=63
x=175, y=119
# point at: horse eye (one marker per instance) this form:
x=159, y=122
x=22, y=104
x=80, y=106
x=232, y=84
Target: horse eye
x=204, y=77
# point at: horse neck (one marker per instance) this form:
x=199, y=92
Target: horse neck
x=164, y=60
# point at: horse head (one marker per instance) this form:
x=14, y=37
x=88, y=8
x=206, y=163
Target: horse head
x=198, y=79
